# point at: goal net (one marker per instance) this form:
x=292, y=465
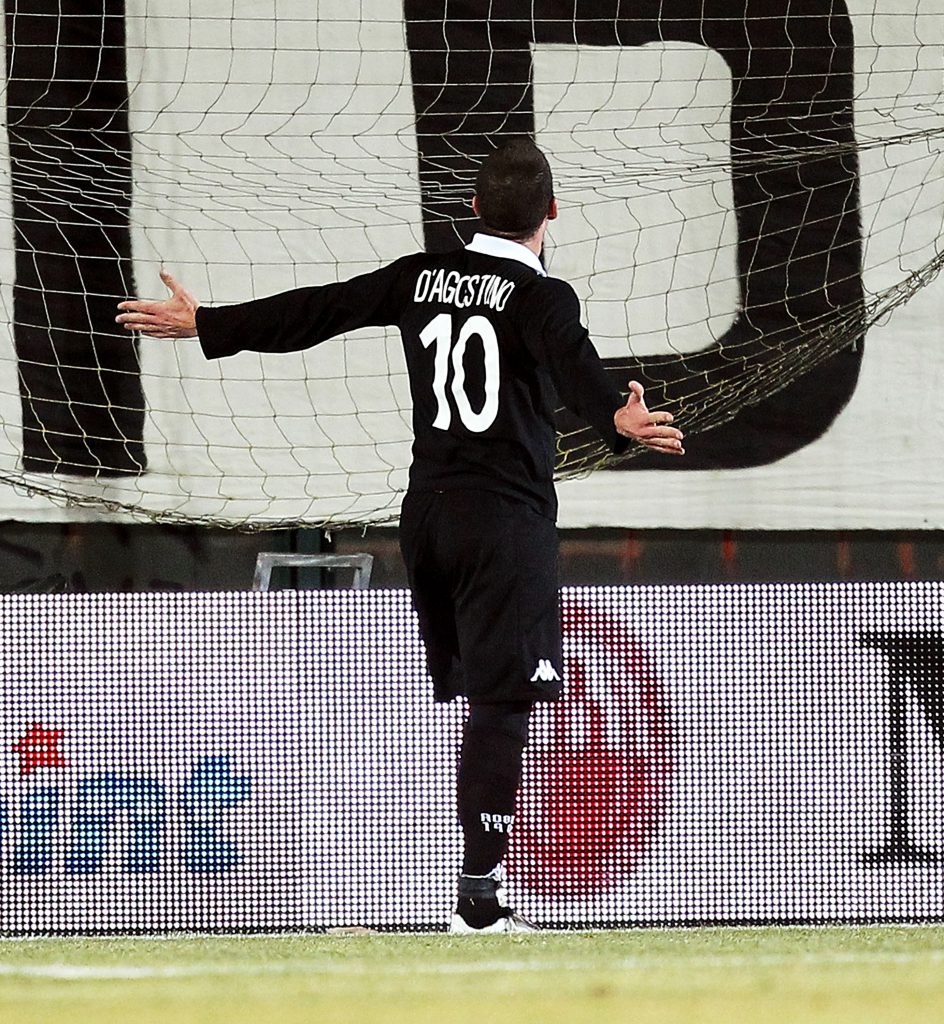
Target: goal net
x=742, y=197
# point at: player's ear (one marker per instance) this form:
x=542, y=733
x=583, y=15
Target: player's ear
x=551, y=210
x=475, y=206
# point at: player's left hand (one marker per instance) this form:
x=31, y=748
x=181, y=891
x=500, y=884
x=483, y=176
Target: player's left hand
x=173, y=317
x=651, y=429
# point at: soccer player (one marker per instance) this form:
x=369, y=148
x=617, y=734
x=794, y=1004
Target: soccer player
x=490, y=339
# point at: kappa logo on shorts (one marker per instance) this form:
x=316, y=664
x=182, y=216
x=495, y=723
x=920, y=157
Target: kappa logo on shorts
x=545, y=672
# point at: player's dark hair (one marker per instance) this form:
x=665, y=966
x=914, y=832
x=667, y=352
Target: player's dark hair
x=514, y=188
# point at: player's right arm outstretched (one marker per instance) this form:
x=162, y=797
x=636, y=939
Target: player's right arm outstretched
x=558, y=339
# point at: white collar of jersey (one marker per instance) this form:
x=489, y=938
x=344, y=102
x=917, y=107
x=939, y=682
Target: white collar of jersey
x=506, y=249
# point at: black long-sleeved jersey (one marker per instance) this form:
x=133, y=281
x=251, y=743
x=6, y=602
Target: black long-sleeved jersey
x=487, y=337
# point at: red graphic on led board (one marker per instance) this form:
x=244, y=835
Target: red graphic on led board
x=38, y=747
x=598, y=767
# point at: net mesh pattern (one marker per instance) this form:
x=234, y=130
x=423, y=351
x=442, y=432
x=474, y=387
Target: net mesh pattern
x=742, y=199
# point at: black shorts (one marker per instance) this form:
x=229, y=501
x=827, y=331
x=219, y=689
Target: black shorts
x=484, y=573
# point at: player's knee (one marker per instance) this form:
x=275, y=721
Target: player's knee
x=508, y=717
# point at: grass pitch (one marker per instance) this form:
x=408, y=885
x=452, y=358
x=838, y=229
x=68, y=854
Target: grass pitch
x=783, y=975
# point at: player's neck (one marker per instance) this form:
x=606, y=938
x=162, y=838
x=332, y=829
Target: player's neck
x=536, y=242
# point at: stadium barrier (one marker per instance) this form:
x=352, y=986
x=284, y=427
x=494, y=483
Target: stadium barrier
x=273, y=761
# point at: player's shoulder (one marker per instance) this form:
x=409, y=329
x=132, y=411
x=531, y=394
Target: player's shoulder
x=550, y=293
x=397, y=277
x=416, y=262
x=409, y=260
x=551, y=285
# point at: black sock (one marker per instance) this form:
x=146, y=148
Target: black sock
x=477, y=903
x=489, y=776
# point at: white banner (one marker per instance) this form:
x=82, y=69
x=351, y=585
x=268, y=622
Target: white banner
x=270, y=152
x=876, y=467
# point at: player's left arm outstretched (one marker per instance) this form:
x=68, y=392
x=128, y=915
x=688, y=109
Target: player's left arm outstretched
x=650, y=429
x=289, y=321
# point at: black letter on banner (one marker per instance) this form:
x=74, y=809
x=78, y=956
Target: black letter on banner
x=915, y=660
x=795, y=183
x=70, y=155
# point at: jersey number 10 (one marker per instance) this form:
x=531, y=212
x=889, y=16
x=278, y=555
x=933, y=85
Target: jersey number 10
x=441, y=331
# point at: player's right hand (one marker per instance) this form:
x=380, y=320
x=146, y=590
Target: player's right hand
x=173, y=317
x=651, y=429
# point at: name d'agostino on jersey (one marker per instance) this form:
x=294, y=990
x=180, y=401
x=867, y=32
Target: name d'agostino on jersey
x=462, y=290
